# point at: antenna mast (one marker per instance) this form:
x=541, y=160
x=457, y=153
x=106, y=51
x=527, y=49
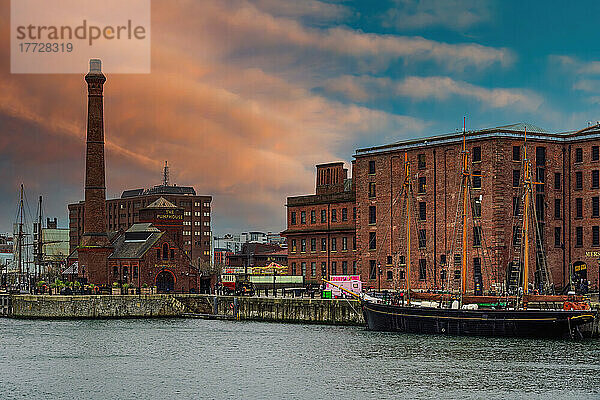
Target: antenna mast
x=166, y=174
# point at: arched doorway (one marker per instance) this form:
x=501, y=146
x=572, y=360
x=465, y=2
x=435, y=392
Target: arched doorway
x=165, y=282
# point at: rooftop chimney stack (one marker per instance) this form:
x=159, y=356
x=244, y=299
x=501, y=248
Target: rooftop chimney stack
x=95, y=246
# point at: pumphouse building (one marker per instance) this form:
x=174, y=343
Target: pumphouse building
x=142, y=239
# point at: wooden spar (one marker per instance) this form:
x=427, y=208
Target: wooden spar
x=408, y=197
x=525, y=235
x=465, y=174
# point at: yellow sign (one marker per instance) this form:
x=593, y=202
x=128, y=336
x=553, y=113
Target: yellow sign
x=579, y=266
x=595, y=254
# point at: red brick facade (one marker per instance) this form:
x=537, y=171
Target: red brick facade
x=124, y=212
x=321, y=227
x=570, y=228
x=164, y=257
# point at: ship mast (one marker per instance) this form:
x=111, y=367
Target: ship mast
x=527, y=184
x=465, y=177
x=20, y=239
x=408, y=192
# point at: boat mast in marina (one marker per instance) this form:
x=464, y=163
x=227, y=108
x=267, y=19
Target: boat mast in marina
x=407, y=189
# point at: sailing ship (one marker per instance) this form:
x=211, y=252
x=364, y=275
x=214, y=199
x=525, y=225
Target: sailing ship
x=518, y=314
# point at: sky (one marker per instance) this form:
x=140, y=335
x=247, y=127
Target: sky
x=246, y=96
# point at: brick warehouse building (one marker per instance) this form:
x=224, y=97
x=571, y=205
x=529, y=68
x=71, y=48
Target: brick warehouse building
x=320, y=230
x=124, y=212
x=567, y=164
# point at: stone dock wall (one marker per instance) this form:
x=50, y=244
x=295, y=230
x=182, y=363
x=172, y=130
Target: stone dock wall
x=296, y=310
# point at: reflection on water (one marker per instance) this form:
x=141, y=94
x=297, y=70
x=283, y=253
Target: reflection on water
x=246, y=360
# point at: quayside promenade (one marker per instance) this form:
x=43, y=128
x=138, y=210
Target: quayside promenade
x=276, y=309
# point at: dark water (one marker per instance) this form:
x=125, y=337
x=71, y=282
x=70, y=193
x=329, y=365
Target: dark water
x=178, y=358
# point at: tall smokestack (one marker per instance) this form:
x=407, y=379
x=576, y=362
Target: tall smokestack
x=95, y=246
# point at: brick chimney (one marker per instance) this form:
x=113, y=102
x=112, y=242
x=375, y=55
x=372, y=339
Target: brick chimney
x=95, y=246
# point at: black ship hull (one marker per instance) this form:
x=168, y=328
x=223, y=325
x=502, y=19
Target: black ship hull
x=483, y=322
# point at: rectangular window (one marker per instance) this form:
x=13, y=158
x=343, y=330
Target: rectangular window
x=333, y=244
x=313, y=244
x=371, y=189
x=595, y=153
x=476, y=154
x=540, y=177
x=333, y=268
x=323, y=244
x=313, y=269
x=540, y=156
x=421, y=161
x=323, y=216
x=354, y=213
x=557, y=238
x=372, y=270
x=540, y=205
x=422, y=188
x=578, y=180
x=303, y=268
x=372, y=240
x=516, y=153
x=344, y=214
x=313, y=217
x=334, y=215
x=443, y=260
x=476, y=236
x=595, y=206
x=353, y=242
x=422, y=211
x=557, y=208
x=557, y=180
x=323, y=269
x=579, y=236
x=595, y=236
x=516, y=205
x=402, y=260
x=579, y=155
x=476, y=179
x=371, y=167
x=293, y=218
x=516, y=236
x=303, y=245
x=477, y=207
x=516, y=177
x=595, y=179
x=476, y=266
x=372, y=215
x=344, y=267
x=422, y=238
x=579, y=207
x=422, y=269
x=354, y=271
x=293, y=268
x=303, y=217
x=344, y=243
x=389, y=260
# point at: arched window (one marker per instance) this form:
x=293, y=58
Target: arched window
x=165, y=255
x=172, y=254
